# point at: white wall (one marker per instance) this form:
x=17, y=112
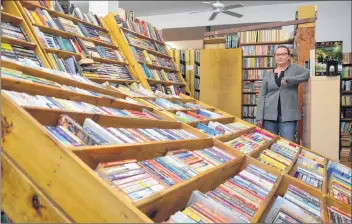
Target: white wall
x=333, y=24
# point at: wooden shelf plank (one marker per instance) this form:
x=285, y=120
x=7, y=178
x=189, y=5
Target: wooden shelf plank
x=346, y=106
x=346, y=92
x=250, y=92
x=71, y=35
x=109, y=61
x=266, y=43
x=159, y=67
x=220, y=40
x=9, y=40
x=54, y=13
x=347, y=64
x=154, y=81
x=102, y=80
x=346, y=78
x=60, y=79
x=151, y=51
x=63, y=54
x=246, y=104
x=141, y=35
x=5, y=16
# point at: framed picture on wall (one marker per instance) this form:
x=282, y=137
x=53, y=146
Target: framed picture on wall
x=328, y=58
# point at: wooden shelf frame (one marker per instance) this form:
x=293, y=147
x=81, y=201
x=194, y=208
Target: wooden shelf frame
x=119, y=36
x=11, y=12
x=64, y=54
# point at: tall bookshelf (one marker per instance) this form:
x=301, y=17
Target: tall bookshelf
x=43, y=25
x=154, y=66
x=346, y=111
x=49, y=181
x=196, y=76
x=258, y=59
x=11, y=13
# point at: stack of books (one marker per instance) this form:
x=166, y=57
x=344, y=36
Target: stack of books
x=249, y=142
x=310, y=168
x=113, y=136
x=280, y=155
x=217, y=129
x=12, y=52
x=296, y=206
x=235, y=201
x=340, y=182
x=13, y=31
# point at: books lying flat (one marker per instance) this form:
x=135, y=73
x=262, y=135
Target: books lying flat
x=235, y=201
x=296, y=206
x=173, y=90
x=24, y=99
x=192, y=116
x=141, y=179
x=280, y=155
x=133, y=90
x=101, y=70
x=114, y=136
x=217, y=129
x=340, y=182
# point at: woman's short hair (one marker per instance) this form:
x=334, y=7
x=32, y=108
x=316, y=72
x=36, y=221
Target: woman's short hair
x=283, y=46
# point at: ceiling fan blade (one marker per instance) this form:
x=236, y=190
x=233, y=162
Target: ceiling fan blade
x=233, y=6
x=232, y=14
x=212, y=17
x=200, y=11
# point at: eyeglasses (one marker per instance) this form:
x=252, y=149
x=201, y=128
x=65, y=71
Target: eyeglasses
x=283, y=54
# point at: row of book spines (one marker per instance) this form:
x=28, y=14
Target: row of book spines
x=10, y=30
x=261, y=36
x=347, y=57
x=258, y=62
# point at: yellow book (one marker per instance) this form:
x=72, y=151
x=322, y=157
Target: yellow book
x=271, y=161
x=6, y=46
x=36, y=18
x=146, y=55
x=277, y=157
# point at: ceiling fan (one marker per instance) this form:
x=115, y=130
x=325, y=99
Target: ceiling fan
x=219, y=7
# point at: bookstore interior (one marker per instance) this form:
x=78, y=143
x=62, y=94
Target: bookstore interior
x=142, y=112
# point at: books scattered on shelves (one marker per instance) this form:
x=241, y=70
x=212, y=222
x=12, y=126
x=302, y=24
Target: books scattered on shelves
x=263, y=62
x=217, y=129
x=171, y=90
x=347, y=72
x=346, y=85
x=231, y=41
x=24, y=99
x=346, y=127
x=249, y=111
x=262, y=50
x=310, y=169
x=296, y=206
x=340, y=182
x=235, y=201
x=118, y=136
x=280, y=155
x=161, y=75
x=193, y=116
x=250, y=98
x=8, y=29
x=103, y=70
x=127, y=21
x=255, y=74
x=141, y=179
x=249, y=142
x=251, y=87
x=13, y=52
x=346, y=100
x=53, y=5
x=347, y=57
x=338, y=216
x=259, y=36
x=89, y=18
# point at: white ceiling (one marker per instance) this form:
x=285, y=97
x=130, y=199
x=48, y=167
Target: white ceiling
x=151, y=8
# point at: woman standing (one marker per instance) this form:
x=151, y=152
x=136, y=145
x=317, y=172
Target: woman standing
x=278, y=110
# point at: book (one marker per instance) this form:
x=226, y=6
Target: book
x=339, y=182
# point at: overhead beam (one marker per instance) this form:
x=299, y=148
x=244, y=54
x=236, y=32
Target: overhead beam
x=259, y=27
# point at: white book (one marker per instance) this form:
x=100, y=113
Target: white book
x=101, y=131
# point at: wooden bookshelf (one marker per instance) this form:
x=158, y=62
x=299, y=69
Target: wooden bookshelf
x=52, y=183
x=11, y=13
x=267, y=43
x=65, y=54
x=118, y=34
